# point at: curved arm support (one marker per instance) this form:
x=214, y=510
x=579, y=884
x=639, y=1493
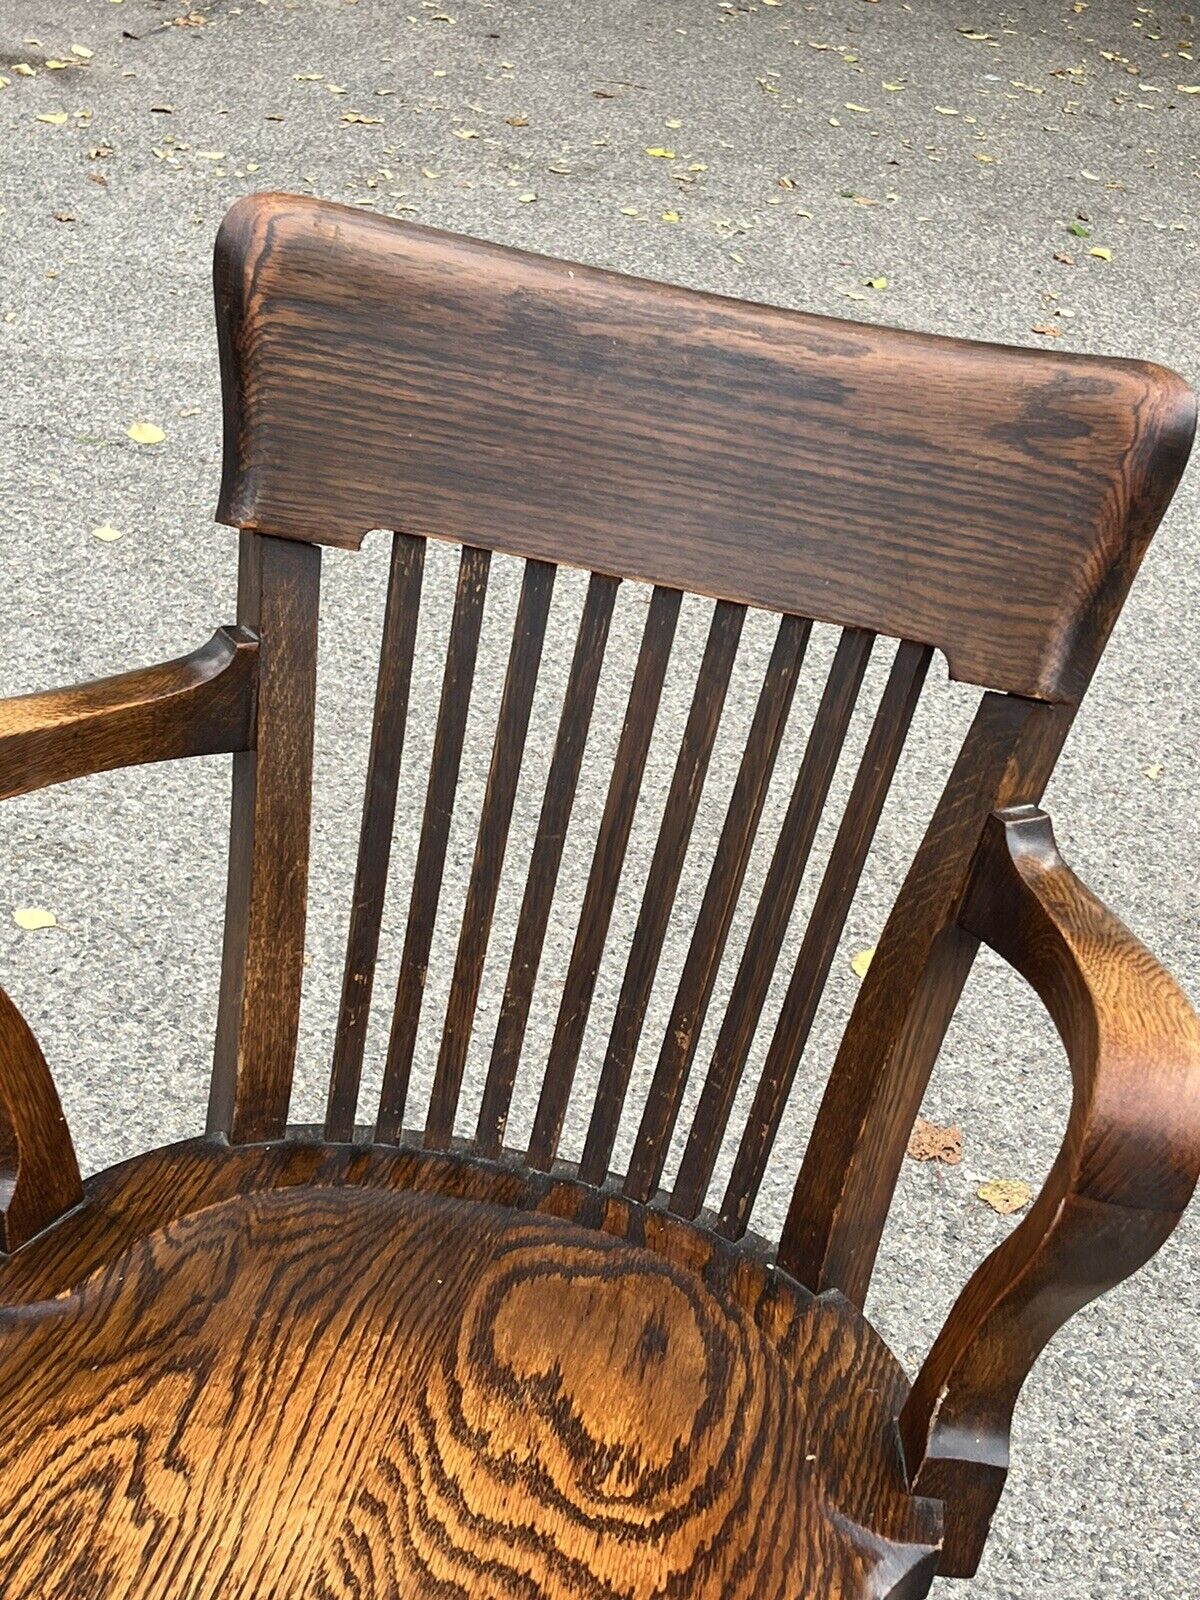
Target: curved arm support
x=199, y=704
x=1126, y=1170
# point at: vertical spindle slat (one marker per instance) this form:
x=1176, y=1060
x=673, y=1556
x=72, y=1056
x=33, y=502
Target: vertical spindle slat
x=771, y=917
x=716, y=911
x=520, y=681
x=838, y=885
x=604, y=877
x=662, y=881
x=375, y=839
x=545, y=859
x=435, y=831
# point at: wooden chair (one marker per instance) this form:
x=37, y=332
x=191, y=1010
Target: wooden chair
x=397, y=1362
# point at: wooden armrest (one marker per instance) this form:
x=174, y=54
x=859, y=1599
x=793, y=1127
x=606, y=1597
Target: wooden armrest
x=200, y=704
x=1127, y=1168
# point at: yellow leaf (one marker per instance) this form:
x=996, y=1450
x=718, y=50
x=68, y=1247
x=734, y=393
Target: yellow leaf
x=145, y=433
x=24, y=70
x=107, y=534
x=54, y=118
x=57, y=66
x=82, y=51
x=1154, y=770
x=527, y=199
x=860, y=963
x=945, y=111
x=31, y=918
x=1102, y=251
x=1180, y=88
x=673, y=123
x=657, y=150
x=850, y=106
x=466, y=133
x=670, y=216
x=893, y=88
x=630, y=211
x=876, y=283
x=1005, y=1195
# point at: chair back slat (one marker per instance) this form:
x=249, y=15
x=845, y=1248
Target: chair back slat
x=545, y=860
x=605, y=875
x=662, y=881
x=457, y=681
x=707, y=944
x=378, y=821
x=529, y=633
x=847, y=858
x=760, y=955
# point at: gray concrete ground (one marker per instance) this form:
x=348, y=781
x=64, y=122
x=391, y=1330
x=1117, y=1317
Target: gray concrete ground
x=945, y=147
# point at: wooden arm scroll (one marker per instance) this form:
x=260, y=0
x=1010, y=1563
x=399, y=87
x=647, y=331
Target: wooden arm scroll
x=199, y=704
x=1126, y=1170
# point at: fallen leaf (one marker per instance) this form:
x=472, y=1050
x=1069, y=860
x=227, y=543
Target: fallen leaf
x=850, y=106
x=517, y=122
x=145, y=433
x=876, y=283
x=24, y=70
x=58, y=66
x=31, y=918
x=860, y=962
x=527, y=199
x=107, y=534
x=1102, y=252
x=931, y=1142
x=670, y=216
x=82, y=51
x=1047, y=330
x=657, y=150
x=1079, y=229
x=54, y=118
x=357, y=116
x=1180, y=88
x=466, y=133
x=1005, y=1195
x=945, y=111
x=630, y=211
x=893, y=88
x=1154, y=770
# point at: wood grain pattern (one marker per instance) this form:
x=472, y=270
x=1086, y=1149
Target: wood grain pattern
x=362, y=1392
x=1129, y=1164
x=258, y=1014
x=199, y=704
x=375, y=838
x=891, y=481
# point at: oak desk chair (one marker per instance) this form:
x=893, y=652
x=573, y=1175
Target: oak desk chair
x=400, y=1362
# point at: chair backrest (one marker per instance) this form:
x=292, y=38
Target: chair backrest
x=986, y=502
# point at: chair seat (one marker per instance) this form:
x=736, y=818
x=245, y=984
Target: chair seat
x=346, y=1392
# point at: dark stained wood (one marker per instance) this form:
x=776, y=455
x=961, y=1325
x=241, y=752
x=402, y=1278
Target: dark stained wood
x=1128, y=1166
x=760, y=954
x=299, y=1362
x=609, y=857
x=716, y=911
x=858, y=475
x=449, y=1393
x=457, y=681
x=658, y=897
x=838, y=884
x=546, y=857
x=198, y=705
x=263, y=959
x=375, y=839
x=516, y=704
x=840, y=1204
x=39, y=1176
